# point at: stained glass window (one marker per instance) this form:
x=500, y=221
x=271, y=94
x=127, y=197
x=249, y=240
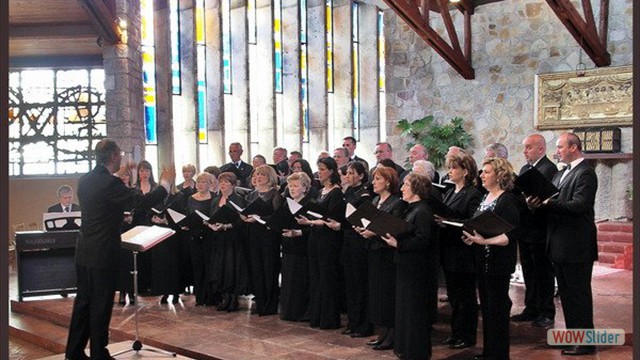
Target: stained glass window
x=277, y=45
x=148, y=71
x=304, y=72
x=55, y=119
x=226, y=45
x=355, y=56
x=201, y=73
x=174, y=18
x=329, y=29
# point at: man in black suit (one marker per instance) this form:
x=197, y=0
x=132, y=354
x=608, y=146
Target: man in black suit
x=65, y=198
x=349, y=143
x=241, y=169
x=536, y=267
x=103, y=198
x=418, y=152
x=571, y=236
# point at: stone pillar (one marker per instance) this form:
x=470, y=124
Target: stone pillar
x=185, y=105
x=262, y=82
x=164, y=92
x=343, y=74
x=236, y=112
x=317, y=56
x=123, y=83
x=291, y=117
x=369, y=97
x=215, y=91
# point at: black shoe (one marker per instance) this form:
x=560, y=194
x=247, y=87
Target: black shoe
x=448, y=341
x=460, y=344
x=163, y=299
x=543, y=321
x=132, y=299
x=226, y=298
x=176, y=298
x=122, y=299
x=356, y=334
x=81, y=356
x=480, y=357
x=233, y=304
x=579, y=350
x=383, y=347
x=523, y=317
x=347, y=331
x=375, y=342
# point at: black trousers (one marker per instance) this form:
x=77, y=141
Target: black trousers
x=538, y=279
x=92, y=312
x=461, y=291
x=574, y=287
x=264, y=251
x=495, y=305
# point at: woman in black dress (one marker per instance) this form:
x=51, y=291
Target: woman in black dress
x=125, y=279
x=414, y=275
x=200, y=248
x=294, y=295
x=495, y=258
x=457, y=258
x=264, y=245
x=185, y=189
x=382, y=270
x=229, y=271
x=354, y=257
x=325, y=244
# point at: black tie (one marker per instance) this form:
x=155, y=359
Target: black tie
x=568, y=167
x=67, y=209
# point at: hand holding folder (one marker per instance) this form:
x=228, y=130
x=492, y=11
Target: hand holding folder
x=533, y=183
x=284, y=217
x=256, y=207
x=379, y=222
x=487, y=224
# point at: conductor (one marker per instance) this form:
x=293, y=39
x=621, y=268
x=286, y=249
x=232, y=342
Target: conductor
x=103, y=198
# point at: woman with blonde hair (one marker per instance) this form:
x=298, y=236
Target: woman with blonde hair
x=264, y=245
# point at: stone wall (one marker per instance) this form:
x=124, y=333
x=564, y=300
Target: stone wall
x=512, y=42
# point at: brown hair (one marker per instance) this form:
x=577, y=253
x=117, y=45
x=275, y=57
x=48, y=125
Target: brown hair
x=465, y=162
x=390, y=175
x=503, y=170
x=228, y=176
x=420, y=184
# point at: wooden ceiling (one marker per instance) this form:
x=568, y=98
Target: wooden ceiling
x=55, y=32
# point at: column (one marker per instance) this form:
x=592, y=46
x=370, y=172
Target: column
x=164, y=92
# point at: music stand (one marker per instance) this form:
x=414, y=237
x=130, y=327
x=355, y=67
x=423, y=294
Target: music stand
x=141, y=239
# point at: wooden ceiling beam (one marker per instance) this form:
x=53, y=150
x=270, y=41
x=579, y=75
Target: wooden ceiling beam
x=448, y=24
x=53, y=30
x=103, y=20
x=59, y=61
x=412, y=16
x=584, y=31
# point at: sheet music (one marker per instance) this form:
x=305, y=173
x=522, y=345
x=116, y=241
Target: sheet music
x=365, y=222
x=142, y=238
x=294, y=207
x=175, y=216
x=349, y=210
x=238, y=208
x=203, y=216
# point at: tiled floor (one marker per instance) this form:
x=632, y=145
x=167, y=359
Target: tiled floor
x=204, y=333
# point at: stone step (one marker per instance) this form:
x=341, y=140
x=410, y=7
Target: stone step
x=617, y=236
x=607, y=258
x=39, y=332
x=616, y=226
x=613, y=247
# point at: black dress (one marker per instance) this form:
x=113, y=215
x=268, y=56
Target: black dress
x=414, y=278
x=294, y=291
x=229, y=271
x=264, y=250
x=356, y=268
x=166, y=263
x=494, y=266
x=382, y=270
x=200, y=250
x=324, y=269
x=457, y=263
x=142, y=216
x=180, y=205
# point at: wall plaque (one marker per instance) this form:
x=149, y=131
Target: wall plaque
x=602, y=97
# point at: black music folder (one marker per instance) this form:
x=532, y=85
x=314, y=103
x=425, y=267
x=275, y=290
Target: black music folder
x=284, y=217
x=224, y=215
x=444, y=186
x=336, y=213
x=532, y=182
x=438, y=206
x=487, y=224
x=256, y=207
x=366, y=211
x=386, y=223
x=177, y=219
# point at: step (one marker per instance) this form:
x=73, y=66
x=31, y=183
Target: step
x=39, y=332
x=616, y=226
x=613, y=247
x=617, y=236
x=607, y=258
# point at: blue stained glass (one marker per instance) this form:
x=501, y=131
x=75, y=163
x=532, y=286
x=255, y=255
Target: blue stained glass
x=175, y=48
x=150, y=124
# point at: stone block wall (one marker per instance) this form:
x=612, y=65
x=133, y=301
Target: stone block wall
x=512, y=41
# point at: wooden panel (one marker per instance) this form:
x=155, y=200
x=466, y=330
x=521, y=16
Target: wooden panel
x=38, y=47
x=45, y=11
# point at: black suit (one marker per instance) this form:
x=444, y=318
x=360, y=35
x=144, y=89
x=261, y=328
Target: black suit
x=103, y=198
x=242, y=171
x=363, y=161
x=58, y=208
x=571, y=242
x=536, y=266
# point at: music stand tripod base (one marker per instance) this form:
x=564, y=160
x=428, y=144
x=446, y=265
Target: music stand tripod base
x=137, y=344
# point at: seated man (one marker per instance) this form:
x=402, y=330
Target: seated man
x=65, y=196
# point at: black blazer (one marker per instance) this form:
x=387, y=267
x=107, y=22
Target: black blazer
x=571, y=229
x=456, y=256
x=104, y=198
x=58, y=207
x=243, y=172
x=363, y=161
x=534, y=224
x=394, y=206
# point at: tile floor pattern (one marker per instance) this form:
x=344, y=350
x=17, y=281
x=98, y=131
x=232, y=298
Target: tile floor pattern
x=204, y=333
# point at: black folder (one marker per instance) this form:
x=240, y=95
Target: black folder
x=487, y=224
x=438, y=206
x=386, y=223
x=532, y=182
x=177, y=219
x=365, y=211
x=318, y=211
x=444, y=186
x=256, y=207
x=224, y=215
x=282, y=219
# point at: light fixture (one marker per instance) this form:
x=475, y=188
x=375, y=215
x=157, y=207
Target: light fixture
x=121, y=22
x=454, y=1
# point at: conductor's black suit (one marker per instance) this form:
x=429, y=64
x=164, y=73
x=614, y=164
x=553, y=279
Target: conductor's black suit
x=103, y=198
x=571, y=242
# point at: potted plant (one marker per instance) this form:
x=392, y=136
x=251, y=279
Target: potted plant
x=435, y=137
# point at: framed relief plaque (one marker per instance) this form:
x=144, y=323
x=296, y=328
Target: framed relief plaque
x=600, y=97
